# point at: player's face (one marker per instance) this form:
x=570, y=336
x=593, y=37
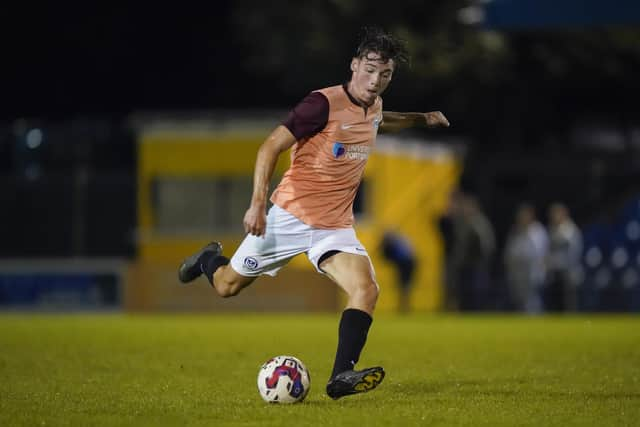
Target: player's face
x=370, y=77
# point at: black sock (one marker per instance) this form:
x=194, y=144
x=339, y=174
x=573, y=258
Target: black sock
x=352, y=335
x=209, y=264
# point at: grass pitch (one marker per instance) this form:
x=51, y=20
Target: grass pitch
x=94, y=370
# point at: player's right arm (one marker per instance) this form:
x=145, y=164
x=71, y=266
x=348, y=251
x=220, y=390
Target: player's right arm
x=280, y=140
x=306, y=119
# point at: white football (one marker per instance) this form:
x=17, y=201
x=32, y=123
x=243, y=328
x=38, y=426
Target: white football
x=283, y=379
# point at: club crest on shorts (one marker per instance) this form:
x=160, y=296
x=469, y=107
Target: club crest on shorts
x=250, y=262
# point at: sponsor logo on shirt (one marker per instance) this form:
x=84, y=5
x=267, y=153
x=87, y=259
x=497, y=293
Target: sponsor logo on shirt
x=352, y=152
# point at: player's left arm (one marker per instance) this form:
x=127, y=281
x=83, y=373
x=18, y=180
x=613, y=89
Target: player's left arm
x=393, y=122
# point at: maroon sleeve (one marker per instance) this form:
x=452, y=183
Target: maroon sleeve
x=309, y=117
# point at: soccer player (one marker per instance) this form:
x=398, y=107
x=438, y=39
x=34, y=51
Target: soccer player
x=331, y=133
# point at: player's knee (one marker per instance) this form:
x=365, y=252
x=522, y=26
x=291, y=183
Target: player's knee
x=229, y=285
x=374, y=291
x=226, y=288
x=229, y=294
x=225, y=292
x=368, y=291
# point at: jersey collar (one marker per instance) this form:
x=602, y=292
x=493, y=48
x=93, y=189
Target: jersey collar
x=354, y=101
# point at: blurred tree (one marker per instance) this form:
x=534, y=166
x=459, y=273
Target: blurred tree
x=301, y=46
x=498, y=86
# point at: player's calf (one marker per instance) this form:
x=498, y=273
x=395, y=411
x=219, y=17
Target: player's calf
x=228, y=283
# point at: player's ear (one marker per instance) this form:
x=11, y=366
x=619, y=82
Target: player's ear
x=354, y=64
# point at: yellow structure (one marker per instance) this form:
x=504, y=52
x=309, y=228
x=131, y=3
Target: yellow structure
x=407, y=185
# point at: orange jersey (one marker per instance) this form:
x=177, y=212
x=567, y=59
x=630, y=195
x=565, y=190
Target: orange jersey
x=327, y=167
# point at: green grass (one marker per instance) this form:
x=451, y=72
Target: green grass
x=94, y=370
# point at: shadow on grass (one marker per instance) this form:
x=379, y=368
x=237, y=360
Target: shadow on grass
x=513, y=387
x=495, y=388
x=438, y=386
x=399, y=391
x=595, y=395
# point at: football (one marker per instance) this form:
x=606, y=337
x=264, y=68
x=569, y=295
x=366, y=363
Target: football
x=283, y=379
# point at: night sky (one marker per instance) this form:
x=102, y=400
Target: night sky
x=113, y=60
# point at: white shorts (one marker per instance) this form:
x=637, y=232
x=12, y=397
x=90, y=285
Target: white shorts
x=286, y=236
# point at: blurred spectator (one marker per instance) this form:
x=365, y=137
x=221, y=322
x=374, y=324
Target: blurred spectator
x=471, y=249
x=397, y=249
x=563, y=260
x=524, y=257
x=445, y=225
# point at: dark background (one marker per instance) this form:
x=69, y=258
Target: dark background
x=61, y=62
x=546, y=94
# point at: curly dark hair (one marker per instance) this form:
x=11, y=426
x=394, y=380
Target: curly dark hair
x=376, y=40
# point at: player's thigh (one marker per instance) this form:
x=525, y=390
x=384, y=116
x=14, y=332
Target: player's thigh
x=351, y=272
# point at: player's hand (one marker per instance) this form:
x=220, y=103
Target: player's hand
x=255, y=220
x=436, y=119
